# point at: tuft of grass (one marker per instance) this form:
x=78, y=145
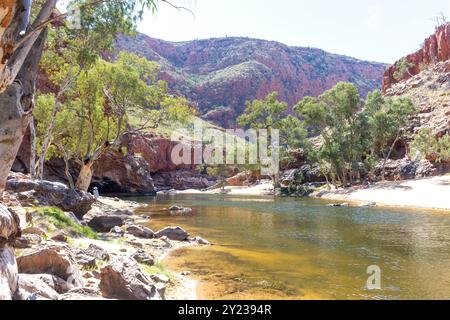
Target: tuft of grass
x=60, y=220
x=158, y=268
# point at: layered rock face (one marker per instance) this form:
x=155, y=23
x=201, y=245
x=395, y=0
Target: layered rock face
x=435, y=49
x=227, y=72
x=427, y=84
x=157, y=152
x=114, y=173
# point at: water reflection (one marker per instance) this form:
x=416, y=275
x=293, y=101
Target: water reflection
x=291, y=248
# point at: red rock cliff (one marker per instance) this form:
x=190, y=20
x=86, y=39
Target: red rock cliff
x=435, y=49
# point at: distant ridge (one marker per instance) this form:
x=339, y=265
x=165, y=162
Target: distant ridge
x=219, y=75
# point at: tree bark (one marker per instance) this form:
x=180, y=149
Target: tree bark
x=383, y=169
x=9, y=276
x=13, y=124
x=47, y=138
x=18, y=70
x=85, y=176
x=33, y=149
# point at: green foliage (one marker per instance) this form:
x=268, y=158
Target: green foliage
x=403, y=67
x=102, y=21
x=60, y=220
x=264, y=114
x=353, y=140
x=388, y=119
x=426, y=144
x=97, y=109
x=158, y=268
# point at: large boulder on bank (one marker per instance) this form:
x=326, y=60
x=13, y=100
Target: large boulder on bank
x=33, y=284
x=106, y=223
x=123, y=279
x=52, y=260
x=9, y=231
x=173, y=233
x=53, y=194
x=140, y=232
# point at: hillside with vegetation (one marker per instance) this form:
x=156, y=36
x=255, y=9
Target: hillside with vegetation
x=206, y=71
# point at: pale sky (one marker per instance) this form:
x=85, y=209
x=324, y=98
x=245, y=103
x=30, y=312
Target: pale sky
x=375, y=30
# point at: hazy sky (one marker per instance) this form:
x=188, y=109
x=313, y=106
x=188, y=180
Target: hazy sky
x=376, y=30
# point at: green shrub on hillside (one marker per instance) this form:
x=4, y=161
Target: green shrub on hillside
x=60, y=220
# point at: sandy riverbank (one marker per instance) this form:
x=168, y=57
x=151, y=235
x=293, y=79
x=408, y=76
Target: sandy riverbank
x=431, y=193
x=262, y=189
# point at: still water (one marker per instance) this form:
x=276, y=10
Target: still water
x=288, y=248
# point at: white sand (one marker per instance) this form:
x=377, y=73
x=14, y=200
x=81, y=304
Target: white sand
x=262, y=189
x=432, y=193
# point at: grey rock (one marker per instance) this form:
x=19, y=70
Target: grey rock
x=173, y=233
x=54, y=260
x=97, y=252
x=105, y=223
x=123, y=279
x=32, y=285
x=201, y=241
x=54, y=194
x=143, y=257
x=141, y=232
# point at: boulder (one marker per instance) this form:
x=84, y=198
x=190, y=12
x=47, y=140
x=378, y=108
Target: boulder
x=86, y=261
x=59, y=285
x=54, y=194
x=123, y=279
x=173, y=233
x=178, y=209
x=143, y=257
x=54, y=260
x=201, y=241
x=141, y=232
x=35, y=231
x=97, y=252
x=106, y=223
x=9, y=231
x=32, y=284
x=60, y=237
x=27, y=241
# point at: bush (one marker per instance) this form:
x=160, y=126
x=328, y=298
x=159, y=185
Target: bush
x=60, y=220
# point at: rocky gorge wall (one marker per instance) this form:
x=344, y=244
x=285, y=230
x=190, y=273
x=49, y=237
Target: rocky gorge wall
x=436, y=48
x=145, y=168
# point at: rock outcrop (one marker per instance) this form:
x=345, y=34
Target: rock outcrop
x=122, y=279
x=52, y=194
x=157, y=152
x=207, y=71
x=114, y=174
x=106, y=223
x=173, y=233
x=53, y=260
x=427, y=84
x=435, y=49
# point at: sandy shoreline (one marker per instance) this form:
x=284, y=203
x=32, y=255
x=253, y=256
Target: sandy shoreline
x=262, y=189
x=432, y=193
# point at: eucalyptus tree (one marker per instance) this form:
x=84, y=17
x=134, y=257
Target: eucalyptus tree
x=21, y=46
x=389, y=119
x=108, y=101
